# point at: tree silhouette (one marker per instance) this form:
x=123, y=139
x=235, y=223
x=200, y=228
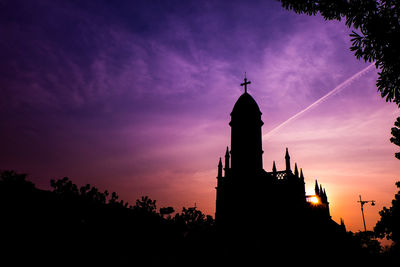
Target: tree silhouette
x=167, y=211
x=396, y=136
x=146, y=206
x=192, y=216
x=389, y=224
x=64, y=186
x=13, y=180
x=368, y=243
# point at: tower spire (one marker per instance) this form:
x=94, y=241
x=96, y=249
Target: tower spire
x=302, y=182
x=220, y=168
x=296, y=171
x=342, y=225
x=287, y=158
x=325, y=196
x=227, y=157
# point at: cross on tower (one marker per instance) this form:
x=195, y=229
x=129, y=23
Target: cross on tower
x=245, y=83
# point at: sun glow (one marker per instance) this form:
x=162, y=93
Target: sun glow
x=314, y=200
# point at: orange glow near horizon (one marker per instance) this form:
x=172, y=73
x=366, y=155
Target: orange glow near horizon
x=314, y=200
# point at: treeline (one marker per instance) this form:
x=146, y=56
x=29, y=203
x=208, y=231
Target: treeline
x=83, y=226
x=71, y=225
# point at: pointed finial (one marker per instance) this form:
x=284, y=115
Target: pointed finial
x=342, y=224
x=245, y=83
x=301, y=174
x=227, y=157
x=274, y=167
x=287, y=158
x=296, y=171
x=316, y=188
x=220, y=168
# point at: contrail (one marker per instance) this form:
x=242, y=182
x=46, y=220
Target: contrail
x=337, y=89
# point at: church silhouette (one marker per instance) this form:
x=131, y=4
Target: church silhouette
x=255, y=207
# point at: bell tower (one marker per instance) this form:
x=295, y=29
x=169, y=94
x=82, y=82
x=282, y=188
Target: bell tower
x=246, y=137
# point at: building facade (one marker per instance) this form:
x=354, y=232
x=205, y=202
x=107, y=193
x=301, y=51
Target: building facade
x=252, y=200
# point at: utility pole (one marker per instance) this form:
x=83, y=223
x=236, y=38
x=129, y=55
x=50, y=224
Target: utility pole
x=362, y=202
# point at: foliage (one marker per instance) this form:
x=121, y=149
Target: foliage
x=13, y=180
x=191, y=216
x=396, y=136
x=166, y=211
x=368, y=242
x=82, y=224
x=389, y=224
x=145, y=205
x=66, y=189
x=64, y=186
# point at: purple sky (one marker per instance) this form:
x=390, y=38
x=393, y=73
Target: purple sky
x=135, y=97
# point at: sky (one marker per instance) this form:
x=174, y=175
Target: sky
x=135, y=96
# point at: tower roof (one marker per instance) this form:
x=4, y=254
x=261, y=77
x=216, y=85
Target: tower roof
x=246, y=105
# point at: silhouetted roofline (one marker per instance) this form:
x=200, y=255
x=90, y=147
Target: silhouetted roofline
x=246, y=105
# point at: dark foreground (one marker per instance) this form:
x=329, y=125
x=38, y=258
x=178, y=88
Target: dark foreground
x=82, y=226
